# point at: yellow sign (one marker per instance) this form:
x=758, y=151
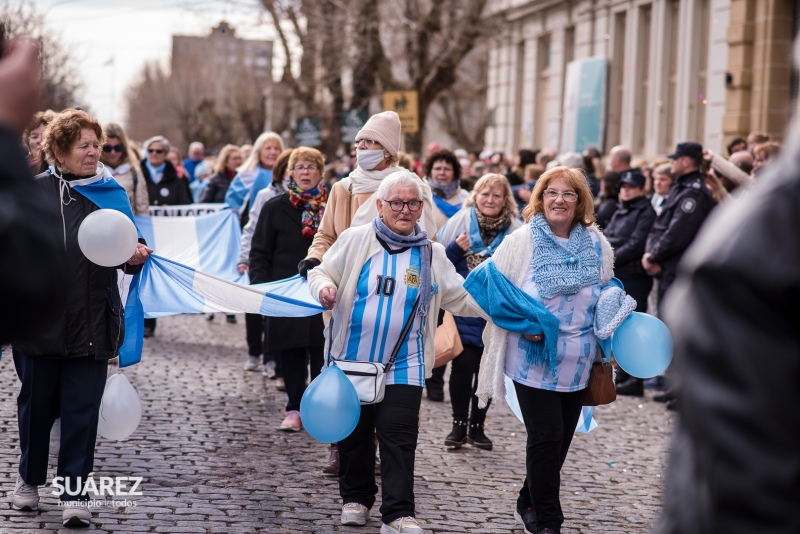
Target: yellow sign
x=405, y=104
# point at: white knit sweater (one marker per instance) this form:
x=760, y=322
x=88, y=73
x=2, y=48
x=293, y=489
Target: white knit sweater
x=512, y=259
x=342, y=264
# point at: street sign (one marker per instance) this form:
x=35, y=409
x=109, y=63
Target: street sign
x=308, y=132
x=405, y=104
x=352, y=122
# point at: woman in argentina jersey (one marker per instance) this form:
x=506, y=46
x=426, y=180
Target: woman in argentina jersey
x=371, y=278
x=561, y=259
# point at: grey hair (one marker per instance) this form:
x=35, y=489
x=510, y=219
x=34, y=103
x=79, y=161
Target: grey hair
x=157, y=139
x=571, y=159
x=402, y=178
x=196, y=144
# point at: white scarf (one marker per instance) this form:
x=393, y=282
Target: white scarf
x=122, y=169
x=368, y=181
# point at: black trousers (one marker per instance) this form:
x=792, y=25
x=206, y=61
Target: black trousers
x=294, y=366
x=638, y=286
x=150, y=323
x=464, y=382
x=396, y=422
x=75, y=388
x=436, y=381
x=255, y=328
x=550, y=419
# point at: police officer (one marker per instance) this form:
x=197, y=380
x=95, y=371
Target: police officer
x=682, y=214
x=627, y=232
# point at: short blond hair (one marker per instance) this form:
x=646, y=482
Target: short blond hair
x=576, y=180
x=490, y=180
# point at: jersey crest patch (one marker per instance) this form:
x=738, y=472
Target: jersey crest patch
x=412, y=277
x=688, y=205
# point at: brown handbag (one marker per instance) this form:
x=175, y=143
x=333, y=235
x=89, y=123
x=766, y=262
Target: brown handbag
x=447, y=342
x=601, y=388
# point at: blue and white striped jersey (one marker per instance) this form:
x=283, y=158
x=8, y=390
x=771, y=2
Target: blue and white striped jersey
x=387, y=289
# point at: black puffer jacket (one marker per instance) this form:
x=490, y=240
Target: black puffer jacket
x=91, y=321
x=170, y=191
x=627, y=232
x=734, y=316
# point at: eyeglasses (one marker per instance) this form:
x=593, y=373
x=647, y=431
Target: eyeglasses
x=398, y=205
x=310, y=168
x=155, y=151
x=568, y=196
x=108, y=149
x=369, y=143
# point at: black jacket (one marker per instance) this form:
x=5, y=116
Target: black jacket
x=627, y=232
x=31, y=274
x=90, y=322
x=170, y=191
x=734, y=316
x=277, y=247
x=217, y=187
x=687, y=206
x=605, y=210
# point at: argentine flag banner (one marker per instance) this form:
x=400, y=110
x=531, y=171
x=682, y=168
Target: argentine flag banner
x=207, y=243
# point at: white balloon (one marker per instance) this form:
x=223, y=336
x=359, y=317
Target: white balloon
x=107, y=237
x=120, y=409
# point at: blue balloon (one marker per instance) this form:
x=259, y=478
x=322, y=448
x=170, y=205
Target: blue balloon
x=330, y=407
x=642, y=345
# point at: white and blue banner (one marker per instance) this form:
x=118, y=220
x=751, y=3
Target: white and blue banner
x=207, y=243
x=586, y=422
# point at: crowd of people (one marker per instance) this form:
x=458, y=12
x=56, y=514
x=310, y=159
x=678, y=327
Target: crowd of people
x=387, y=241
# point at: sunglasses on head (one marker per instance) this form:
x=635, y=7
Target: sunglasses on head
x=155, y=151
x=115, y=148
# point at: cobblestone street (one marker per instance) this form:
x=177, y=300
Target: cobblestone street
x=213, y=461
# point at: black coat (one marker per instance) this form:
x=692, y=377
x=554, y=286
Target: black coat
x=627, y=232
x=170, y=191
x=217, y=187
x=31, y=274
x=605, y=210
x=734, y=317
x=91, y=321
x=687, y=206
x=277, y=247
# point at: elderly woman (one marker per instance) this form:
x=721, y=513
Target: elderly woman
x=444, y=176
x=32, y=138
x=229, y=159
x=285, y=229
x=164, y=186
x=371, y=278
x=121, y=161
x=62, y=366
x=254, y=174
x=471, y=237
x=561, y=261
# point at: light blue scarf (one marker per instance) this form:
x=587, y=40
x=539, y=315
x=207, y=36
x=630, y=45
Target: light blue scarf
x=476, y=244
x=156, y=173
x=562, y=269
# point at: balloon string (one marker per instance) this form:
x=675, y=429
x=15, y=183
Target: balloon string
x=63, y=186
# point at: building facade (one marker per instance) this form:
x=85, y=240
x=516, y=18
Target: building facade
x=677, y=70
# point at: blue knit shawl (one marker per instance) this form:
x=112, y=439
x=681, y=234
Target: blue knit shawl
x=562, y=269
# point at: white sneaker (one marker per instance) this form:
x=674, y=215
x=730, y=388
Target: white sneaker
x=77, y=516
x=55, y=438
x=269, y=370
x=404, y=525
x=355, y=514
x=26, y=496
x=253, y=363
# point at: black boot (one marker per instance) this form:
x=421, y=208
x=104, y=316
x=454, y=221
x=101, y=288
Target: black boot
x=633, y=387
x=477, y=438
x=458, y=436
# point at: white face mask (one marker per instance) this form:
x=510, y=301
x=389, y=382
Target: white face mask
x=369, y=159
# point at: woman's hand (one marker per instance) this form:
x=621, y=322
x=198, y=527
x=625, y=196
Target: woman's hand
x=243, y=268
x=463, y=241
x=534, y=337
x=327, y=297
x=649, y=266
x=141, y=255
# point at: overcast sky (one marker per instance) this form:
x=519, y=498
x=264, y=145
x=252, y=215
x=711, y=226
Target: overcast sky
x=112, y=39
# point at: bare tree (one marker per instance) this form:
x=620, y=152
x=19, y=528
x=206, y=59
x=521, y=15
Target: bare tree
x=61, y=82
x=382, y=45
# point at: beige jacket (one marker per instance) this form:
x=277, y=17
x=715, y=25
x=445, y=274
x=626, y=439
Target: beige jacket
x=139, y=199
x=342, y=267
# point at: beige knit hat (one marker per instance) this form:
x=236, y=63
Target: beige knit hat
x=383, y=127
